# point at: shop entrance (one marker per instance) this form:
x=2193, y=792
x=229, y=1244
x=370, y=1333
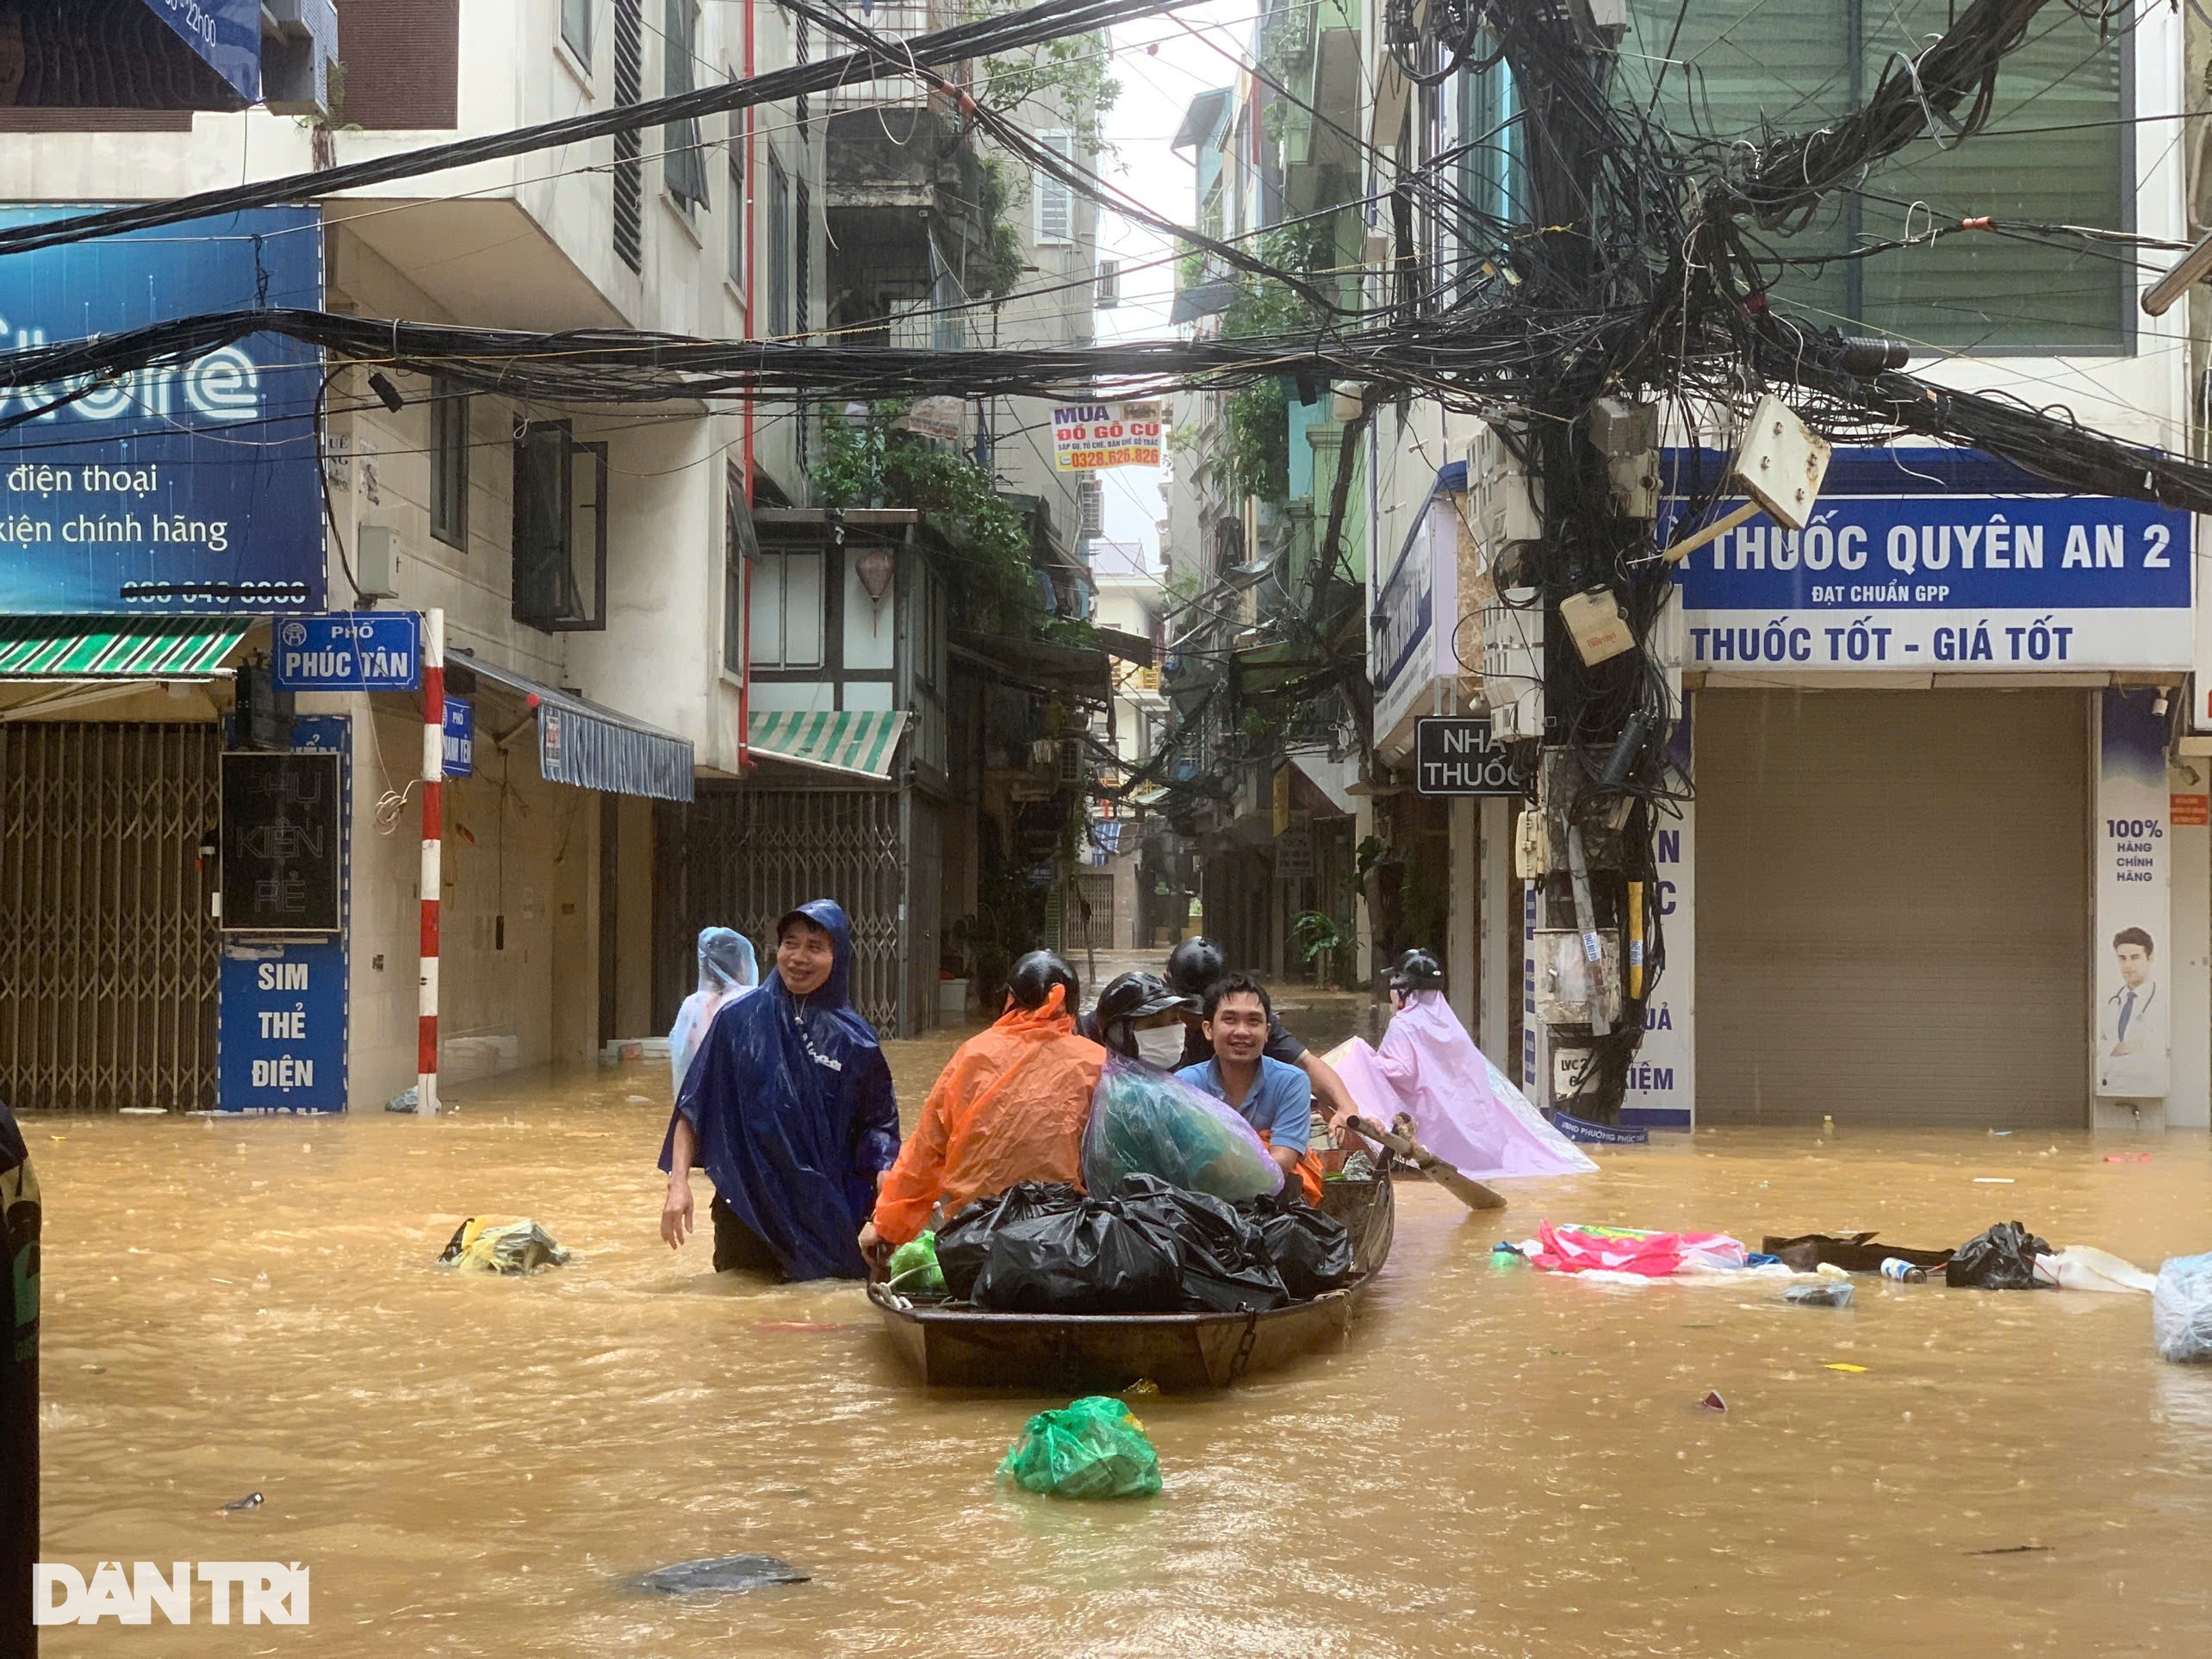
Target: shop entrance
x=108, y=955
x=1893, y=905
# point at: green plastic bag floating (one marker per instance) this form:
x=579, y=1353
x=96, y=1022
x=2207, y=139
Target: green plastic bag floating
x=913, y=1267
x=1093, y=1449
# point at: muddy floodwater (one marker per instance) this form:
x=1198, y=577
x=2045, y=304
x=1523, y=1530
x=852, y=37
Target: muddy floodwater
x=1499, y=1462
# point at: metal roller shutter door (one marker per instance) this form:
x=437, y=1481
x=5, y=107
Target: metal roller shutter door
x=1892, y=907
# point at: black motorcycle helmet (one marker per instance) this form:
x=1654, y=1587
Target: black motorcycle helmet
x=1417, y=971
x=1131, y=997
x=1135, y=996
x=1030, y=980
x=1194, y=965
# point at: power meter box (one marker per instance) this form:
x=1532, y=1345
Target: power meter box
x=1598, y=623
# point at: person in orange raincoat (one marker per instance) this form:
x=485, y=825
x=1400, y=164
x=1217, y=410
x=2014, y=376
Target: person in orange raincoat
x=1009, y=1107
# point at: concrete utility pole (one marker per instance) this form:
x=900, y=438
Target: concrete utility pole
x=433, y=848
x=1561, y=54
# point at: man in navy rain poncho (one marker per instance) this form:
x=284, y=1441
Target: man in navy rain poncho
x=788, y=1107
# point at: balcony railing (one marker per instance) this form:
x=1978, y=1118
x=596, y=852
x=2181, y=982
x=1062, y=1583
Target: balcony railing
x=897, y=20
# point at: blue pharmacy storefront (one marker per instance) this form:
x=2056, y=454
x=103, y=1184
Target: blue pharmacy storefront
x=150, y=530
x=1931, y=871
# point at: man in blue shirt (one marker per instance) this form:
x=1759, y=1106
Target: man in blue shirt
x=1276, y=1098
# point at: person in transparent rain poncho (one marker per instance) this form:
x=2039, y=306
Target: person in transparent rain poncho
x=727, y=970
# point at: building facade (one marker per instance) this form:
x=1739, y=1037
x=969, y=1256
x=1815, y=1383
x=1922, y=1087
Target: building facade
x=588, y=564
x=1943, y=859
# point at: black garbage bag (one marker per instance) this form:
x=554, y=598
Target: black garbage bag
x=2003, y=1258
x=963, y=1242
x=1224, y=1263
x=1311, y=1252
x=1047, y=1250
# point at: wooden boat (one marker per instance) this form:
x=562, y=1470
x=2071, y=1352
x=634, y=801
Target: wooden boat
x=964, y=1347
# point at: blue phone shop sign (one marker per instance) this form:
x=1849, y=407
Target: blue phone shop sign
x=1961, y=580
x=191, y=488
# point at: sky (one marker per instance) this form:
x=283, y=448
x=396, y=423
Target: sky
x=1161, y=67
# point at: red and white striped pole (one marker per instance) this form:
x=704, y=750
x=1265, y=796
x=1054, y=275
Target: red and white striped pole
x=433, y=841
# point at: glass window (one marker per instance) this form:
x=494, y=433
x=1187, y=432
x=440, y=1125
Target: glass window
x=779, y=273
x=559, y=529
x=739, y=551
x=683, y=162
x=2053, y=152
x=449, y=462
x=576, y=28
x=740, y=208
x=787, y=600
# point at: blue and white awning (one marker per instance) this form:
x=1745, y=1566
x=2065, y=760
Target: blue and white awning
x=592, y=747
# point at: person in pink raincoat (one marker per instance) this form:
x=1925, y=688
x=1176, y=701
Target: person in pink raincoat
x=1463, y=1108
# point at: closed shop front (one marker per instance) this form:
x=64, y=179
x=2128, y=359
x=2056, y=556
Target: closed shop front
x=108, y=951
x=1894, y=906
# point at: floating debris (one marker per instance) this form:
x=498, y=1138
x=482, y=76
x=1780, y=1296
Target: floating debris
x=719, y=1575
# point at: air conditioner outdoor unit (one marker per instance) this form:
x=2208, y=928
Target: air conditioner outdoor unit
x=299, y=42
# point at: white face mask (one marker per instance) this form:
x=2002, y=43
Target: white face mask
x=1162, y=1045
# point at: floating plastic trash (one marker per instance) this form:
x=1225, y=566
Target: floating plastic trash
x=510, y=1248
x=1094, y=1448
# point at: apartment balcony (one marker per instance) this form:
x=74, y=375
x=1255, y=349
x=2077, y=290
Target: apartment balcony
x=901, y=185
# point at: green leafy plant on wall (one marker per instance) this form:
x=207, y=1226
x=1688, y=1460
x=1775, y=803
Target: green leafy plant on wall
x=985, y=568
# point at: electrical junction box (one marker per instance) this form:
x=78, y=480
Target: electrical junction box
x=1619, y=428
x=1504, y=504
x=1627, y=434
x=1529, y=849
x=1512, y=664
x=1599, y=624
x=1781, y=464
x=1570, y=988
x=1634, y=480
x=376, y=561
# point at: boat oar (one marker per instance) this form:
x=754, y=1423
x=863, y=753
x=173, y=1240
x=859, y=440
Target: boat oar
x=1469, y=1192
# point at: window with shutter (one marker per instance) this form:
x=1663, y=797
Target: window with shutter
x=2055, y=151
x=1109, y=284
x=1055, y=201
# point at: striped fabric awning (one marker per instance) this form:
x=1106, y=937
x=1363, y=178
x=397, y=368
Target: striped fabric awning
x=117, y=648
x=861, y=742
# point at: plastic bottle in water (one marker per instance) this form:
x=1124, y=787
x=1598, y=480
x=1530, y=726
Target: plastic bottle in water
x=1896, y=1267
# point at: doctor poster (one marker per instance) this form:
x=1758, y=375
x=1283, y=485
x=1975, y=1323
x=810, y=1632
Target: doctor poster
x=2134, y=900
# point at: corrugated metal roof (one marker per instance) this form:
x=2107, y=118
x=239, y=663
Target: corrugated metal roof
x=115, y=648
x=860, y=740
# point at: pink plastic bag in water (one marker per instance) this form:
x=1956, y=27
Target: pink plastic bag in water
x=1632, y=1249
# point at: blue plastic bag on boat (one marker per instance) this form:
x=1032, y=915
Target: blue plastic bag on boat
x=1144, y=1122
